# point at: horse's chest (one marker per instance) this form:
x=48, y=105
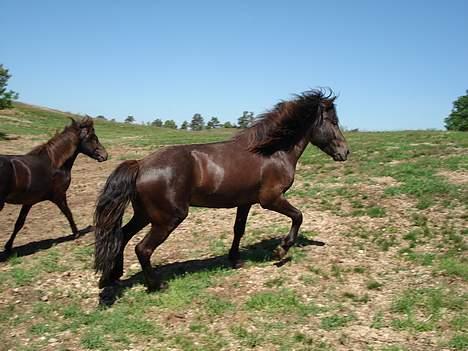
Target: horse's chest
x=61, y=180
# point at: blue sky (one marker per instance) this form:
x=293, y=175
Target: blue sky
x=395, y=64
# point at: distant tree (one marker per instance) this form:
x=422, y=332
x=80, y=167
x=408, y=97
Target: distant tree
x=458, y=118
x=130, y=119
x=101, y=117
x=170, y=124
x=112, y=120
x=184, y=125
x=197, y=122
x=229, y=125
x=213, y=123
x=246, y=119
x=6, y=96
x=157, y=123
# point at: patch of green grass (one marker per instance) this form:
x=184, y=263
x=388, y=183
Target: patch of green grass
x=376, y=212
x=218, y=247
x=23, y=276
x=427, y=304
x=216, y=306
x=373, y=285
x=454, y=266
x=419, y=179
x=378, y=320
x=40, y=329
x=424, y=259
x=248, y=338
x=459, y=342
x=14, y=259
x=460, y=322
x=50, y=262
x=335, y=321
x=84, y=254
x=183, y=290
x=359, y=270
x=275, y=282
x=281, y=301
x=93, y=340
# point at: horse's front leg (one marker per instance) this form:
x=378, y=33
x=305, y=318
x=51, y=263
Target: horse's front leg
x=281, y=205
x=63, y=206
x=239, y=229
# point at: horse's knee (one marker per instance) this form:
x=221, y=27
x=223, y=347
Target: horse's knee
x=179, y=215
x=143, y=253
x=297, y=217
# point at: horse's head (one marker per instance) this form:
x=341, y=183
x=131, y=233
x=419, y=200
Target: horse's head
x=89, y=142
x=327, y=134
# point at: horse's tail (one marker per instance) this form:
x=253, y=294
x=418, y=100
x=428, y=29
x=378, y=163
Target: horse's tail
x=110, y=207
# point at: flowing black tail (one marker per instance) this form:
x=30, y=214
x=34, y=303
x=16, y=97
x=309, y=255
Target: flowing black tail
x=114, y=198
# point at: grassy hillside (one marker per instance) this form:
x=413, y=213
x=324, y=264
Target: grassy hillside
x=381, y=264
x=35, y=121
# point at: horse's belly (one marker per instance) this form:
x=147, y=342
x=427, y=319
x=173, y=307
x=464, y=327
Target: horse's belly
x=222, y=200
x=25, y=198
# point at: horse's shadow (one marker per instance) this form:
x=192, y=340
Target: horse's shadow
x=35, y=246
x=259, y=252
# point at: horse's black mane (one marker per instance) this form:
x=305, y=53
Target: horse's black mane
x=283, y=126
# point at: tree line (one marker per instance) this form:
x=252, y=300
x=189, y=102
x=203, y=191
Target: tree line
x=198, y=123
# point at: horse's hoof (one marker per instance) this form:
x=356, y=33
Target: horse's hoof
x=236, y=264
x=279, y=253
x=157, y=286
x=107, y=296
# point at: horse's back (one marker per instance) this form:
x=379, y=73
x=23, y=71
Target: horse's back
x=209, y=175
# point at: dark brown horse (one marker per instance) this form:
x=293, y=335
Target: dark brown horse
x=45, y=172
x=256, y=166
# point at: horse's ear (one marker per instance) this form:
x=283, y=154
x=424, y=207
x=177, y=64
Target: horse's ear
x=87, y=122
x=327, y=103
x=74, y=122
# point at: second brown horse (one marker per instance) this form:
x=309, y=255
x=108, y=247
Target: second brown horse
x=45, y=172
x=256, y=166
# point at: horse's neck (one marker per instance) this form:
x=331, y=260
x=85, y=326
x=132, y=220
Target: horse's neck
x=296, y=152
x=68, y=164
x=63, y=151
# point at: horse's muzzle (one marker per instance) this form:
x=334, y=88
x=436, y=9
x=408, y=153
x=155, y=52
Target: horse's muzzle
x=101, y=156
x=341, y=156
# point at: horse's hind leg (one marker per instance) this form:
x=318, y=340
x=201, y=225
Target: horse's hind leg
x=18, y=225
x=239, y=230
x=162, y=224
x=137, y=223
x=281, y=205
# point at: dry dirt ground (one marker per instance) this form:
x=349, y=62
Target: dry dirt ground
x=334, y=269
